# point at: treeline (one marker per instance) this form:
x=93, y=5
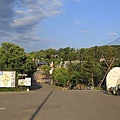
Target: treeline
x=76, y=66
x=86, y=65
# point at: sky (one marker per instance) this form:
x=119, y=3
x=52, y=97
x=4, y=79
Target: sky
x=42, y=24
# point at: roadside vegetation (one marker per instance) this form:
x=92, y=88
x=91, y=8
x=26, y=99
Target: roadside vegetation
x=13, y=58
x=71, y=66
x=86, y=66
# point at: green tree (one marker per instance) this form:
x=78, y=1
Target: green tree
x=91, y=72
x=74, y=78
x=46, y=70
x=14, y=58
x=29, y=66
x=60, y=75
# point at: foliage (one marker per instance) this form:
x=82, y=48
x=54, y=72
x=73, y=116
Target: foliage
x=22, y=88
x=74, y=79
x=92, y=62
x=60, y=75
x=14, y=58
x=29, y=65
x=87, y=64
x=45, y=69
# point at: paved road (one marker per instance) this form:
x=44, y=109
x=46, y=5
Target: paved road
x=48, y=103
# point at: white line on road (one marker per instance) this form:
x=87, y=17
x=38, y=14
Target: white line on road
x=2, y=108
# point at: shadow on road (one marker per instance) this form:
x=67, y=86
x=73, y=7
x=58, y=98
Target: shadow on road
x=41, y=105
x=35, y=85
x=104, y=91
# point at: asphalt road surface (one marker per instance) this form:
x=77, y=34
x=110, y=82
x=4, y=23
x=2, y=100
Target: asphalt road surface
x=48, y=103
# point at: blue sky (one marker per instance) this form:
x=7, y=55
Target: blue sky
x=43, y=24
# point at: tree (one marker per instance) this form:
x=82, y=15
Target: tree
x=74, y=78
x=60, y=75
x=67, y=53
x=91, y=72
x=13, y=57
x=29, y=66
x=46, y=70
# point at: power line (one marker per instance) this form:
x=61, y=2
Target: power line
x=115, y=42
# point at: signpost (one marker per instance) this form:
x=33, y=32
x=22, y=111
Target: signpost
x=7, y=78
x=24, y=81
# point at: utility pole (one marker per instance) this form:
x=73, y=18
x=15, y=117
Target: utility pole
x=92, y=81
x=80, y=60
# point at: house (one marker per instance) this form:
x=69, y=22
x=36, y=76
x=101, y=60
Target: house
x=39, y=77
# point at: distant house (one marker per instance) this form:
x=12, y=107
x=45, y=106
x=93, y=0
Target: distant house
x=39, y=77
x=68, y=62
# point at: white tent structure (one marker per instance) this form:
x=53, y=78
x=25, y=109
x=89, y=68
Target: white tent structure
x=112, y=77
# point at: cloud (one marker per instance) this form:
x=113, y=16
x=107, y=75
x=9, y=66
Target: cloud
x=6, y=14
x=86, y=31
x=4, y=33
x=112, y=34
x=30, y=13
x=78, y=22
x=19, y=18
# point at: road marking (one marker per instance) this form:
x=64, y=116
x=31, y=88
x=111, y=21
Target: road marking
x=2, y=108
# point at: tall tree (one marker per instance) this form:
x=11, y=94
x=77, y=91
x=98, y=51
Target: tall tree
x=13, y=57
x=60, y=75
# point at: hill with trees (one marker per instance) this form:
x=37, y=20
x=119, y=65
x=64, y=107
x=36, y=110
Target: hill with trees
x=74, y=66
x=86, y=65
